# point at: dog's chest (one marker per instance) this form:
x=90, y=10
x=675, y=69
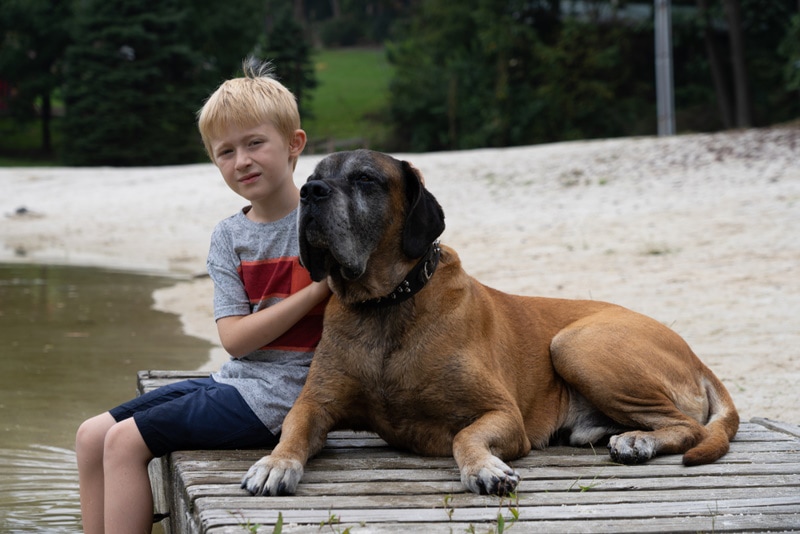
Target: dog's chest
x=403, y=385
x=408, y=410
x=391, y=373
x=407, y=399
x=388, y=375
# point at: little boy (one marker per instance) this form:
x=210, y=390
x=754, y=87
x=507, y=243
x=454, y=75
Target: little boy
x=268, y=313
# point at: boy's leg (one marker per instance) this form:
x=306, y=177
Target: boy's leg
x=90, y=443
x=89, y=447
x=89, y=454
x=128, y=496
x=192, y=414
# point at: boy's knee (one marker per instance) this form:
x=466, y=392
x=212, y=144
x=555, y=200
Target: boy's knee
x=91, y=435
x=124, y=442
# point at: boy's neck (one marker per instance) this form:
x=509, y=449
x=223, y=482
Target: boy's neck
x=275, y=207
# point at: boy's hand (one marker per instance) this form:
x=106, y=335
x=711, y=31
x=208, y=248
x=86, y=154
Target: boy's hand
x=320, y=290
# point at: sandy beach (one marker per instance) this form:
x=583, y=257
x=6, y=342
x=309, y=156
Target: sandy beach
x=701, y=232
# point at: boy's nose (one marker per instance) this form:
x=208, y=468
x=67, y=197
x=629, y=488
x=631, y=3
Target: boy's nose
x=243, y=160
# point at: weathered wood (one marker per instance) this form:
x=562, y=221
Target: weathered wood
x=359, y=482
x=786, y=428
x=753, y=523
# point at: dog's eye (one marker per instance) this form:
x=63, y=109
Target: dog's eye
x=362, y=178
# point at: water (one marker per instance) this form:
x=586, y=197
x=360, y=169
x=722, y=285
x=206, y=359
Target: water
x=71, y=341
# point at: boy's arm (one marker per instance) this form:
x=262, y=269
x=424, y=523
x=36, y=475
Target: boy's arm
x=242, y=334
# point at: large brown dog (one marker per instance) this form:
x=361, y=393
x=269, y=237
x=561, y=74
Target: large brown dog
x=433, y=361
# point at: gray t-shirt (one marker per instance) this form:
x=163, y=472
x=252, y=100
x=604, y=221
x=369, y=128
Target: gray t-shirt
x=254, y=265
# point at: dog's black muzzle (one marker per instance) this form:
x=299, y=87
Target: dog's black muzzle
x=314, y=191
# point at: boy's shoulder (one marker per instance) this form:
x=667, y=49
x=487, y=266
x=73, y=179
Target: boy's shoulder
x=236, y=219
x=239, y=228
x=229, y=224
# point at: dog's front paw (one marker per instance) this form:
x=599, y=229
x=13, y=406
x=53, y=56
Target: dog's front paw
x=273, y=476
x=632, y=447
x=493, y=478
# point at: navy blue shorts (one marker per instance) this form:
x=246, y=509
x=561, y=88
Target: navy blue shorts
x=195, y=414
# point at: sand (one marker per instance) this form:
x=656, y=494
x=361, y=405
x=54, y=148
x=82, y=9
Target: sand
x=701, y=232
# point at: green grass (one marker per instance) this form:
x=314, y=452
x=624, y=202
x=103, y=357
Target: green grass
x=351, y=98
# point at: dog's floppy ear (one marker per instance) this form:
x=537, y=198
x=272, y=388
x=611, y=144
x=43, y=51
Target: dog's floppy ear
x=425, y=217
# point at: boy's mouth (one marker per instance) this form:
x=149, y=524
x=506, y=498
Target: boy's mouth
x=249, y=178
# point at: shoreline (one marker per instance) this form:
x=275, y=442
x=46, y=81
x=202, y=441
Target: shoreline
x=196, y=320
x=699, y=231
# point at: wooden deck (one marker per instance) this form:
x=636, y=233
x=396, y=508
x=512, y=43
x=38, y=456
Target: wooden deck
x=359, y=483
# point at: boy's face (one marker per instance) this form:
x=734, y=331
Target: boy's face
x=255, y=162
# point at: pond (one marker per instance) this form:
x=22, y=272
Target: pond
x=71, y=342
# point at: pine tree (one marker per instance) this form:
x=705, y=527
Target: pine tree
x=32, y=40
x=285, y=45
x=129, y=95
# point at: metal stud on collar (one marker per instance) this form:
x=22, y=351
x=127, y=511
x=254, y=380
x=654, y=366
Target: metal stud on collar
x=418, y=276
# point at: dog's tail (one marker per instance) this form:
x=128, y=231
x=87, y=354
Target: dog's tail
x=722, y=425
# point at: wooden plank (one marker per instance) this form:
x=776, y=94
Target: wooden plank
x=391, y=464
x=367, y=486
x=786, y=428
x=598, y=496
x=676, y=524
x=226, y=485
x=788, y=486
x=213, y=513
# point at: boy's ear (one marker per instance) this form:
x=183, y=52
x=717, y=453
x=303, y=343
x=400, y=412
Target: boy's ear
x=297, y=143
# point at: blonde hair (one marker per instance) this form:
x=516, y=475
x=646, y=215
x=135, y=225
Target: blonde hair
x=246, y=102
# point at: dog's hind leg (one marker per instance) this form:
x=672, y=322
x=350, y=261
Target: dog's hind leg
x=676, y=433
x=638, y=446
x=478, y=450
x=639, y=374
x=656, y=426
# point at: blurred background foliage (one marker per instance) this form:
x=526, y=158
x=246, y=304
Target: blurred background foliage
x=118, y=82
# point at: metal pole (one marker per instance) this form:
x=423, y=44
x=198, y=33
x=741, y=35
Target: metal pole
x=664, y=94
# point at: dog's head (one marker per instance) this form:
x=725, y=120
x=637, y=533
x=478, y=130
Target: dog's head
x=363, y=213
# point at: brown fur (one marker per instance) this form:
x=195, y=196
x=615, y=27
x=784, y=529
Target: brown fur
x=467, y=370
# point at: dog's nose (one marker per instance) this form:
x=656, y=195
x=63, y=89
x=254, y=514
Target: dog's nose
x=314, y=191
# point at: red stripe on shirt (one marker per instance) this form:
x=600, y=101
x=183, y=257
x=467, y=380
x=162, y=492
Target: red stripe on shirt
x=279, y=278
x=269, y=278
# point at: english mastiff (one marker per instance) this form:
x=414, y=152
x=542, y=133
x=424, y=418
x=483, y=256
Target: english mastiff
x=433, y=361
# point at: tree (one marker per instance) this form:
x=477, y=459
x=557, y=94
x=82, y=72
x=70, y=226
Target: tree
x=716, y=64
x=223, y=34
x=741, y=38
x=738, y=60
x=138, y=71
x=284, y=43
x=497, y=73
x=129, y=95
x=33, y=36
x=790, y=50
x=431, y=60
x=766, y=23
